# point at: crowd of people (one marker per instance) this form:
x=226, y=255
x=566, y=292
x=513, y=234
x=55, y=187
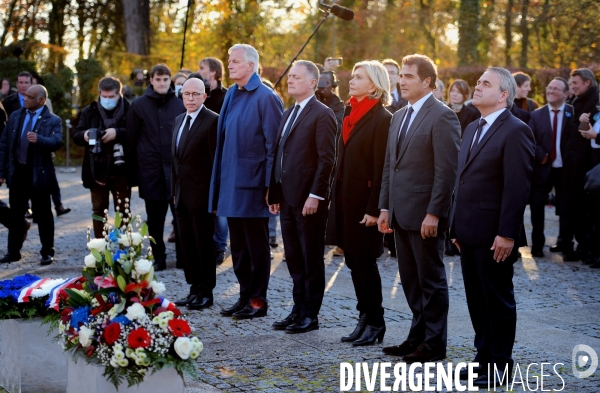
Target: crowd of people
x=400, y=164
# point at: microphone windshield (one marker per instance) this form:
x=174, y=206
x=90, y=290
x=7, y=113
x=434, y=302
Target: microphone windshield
x=342, y=12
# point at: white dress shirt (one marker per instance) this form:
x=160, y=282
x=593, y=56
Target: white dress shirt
x=193, y=115
x=557, y=163
x=416, y=107
x=489, y=120
x=301, y=104
x=396, y=95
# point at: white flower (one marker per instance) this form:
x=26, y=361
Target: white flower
x=97, y=244
x=90, y=260
x=118, y=348
x=194, y=354
x=135, y=311
x=142, y=266
x=163, y=323
x=129, y=352
x=123, y=362
x=85, y=336
x=114, y=363
x=198, y=346
x=158, y=287
x=136, y=239
x=183, y=347
x=119, y=355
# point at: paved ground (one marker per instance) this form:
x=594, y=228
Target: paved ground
x=558, y=307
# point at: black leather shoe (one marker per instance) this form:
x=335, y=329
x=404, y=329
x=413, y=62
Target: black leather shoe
x=201, y=303
x=595, y=265
x=425, y=354
x=358, y=330
x=61, y=210
x=46, y=260
x=303, y=325
x=556, y=248
x=250, y=312
x=159, y=267
x=220, y=257
x=538, y=253
x=572, y=257
x=240, y=304
x=400, y=350
x=10, y=258
x=369, y=336
x=273, y=242
x=186, y=301
x=287, y=321
x=482, y=382
x=27, y=227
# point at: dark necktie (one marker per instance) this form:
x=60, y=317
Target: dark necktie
x=554, y=135
x=403, y=131
x=24, y=142
x=184, y=132
x=284, y=136
x=482, y=122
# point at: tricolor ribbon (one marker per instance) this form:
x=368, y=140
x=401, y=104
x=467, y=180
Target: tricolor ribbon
x=52, y=301
x=26, y=291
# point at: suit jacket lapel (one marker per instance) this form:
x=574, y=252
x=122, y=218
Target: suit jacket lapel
x=175, y=132
x=302, y=114
x=467, y=139
x=488, y=134
x=414, y=125
x=183, y=142
x=564, y=133
x=360, y=124
x=284, y=119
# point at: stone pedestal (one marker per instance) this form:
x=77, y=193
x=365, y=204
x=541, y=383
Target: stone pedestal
x=87, y=378
x=30, y=361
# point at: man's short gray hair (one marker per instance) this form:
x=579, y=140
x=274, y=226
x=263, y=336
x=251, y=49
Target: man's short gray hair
x=311, y=70
x=507, y=83
x=250, y=54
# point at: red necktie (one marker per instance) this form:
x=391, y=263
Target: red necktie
x=554, y=131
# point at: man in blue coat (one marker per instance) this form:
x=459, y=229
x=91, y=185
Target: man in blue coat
x=246, y=138
x=29, y=138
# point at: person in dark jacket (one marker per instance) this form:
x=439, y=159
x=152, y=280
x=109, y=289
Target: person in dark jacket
x=15, y=101
x=325, y=94
x=212, y=70
x=106, y=168
x=29, y=138
x=458, y=93
x=352, y=222
x=150, y=130
x=393, y=70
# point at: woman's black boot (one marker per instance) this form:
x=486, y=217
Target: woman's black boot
x=371, y=334
x=358, y=331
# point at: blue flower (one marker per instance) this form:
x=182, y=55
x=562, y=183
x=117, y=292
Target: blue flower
x=80, y=316
x=118, y=255
x=568, y=114
x=114, y=235
x=122, y=319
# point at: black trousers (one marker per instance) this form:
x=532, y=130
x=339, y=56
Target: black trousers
x=577, y=222
x=537, y=204
x=367, y=286
x=251, y=255
x=195, y=229
x=594, y=212
x=423, y=276
x=118, y=187
x=20, y=192
x=157, y=213
x=491, y=303
x=304, y=242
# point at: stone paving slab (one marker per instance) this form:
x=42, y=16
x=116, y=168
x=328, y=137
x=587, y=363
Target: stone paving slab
x=558, y=306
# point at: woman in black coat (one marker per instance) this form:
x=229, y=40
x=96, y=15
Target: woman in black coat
x=352, y=223
x=458, y=93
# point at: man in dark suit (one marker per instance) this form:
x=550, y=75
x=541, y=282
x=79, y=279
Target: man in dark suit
x=550, y=125
x=29, y=138
x=193, y=151
x=299, y=190
x=416, y=190
x=393, y=70
x=491, y=191
x=16, y=101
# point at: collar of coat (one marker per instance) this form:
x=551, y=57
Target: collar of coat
x=253, y=83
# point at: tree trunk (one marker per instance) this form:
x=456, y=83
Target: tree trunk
x=508, y=32
x=137, y=26
x=56, y=33
x=7, y=23
x=468, y=32
x=524, y=33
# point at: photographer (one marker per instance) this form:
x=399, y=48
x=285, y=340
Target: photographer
x=327, y=83
x=212, y=71
x=106, y=168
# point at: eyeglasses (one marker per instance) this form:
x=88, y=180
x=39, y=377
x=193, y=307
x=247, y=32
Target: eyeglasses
x=194, y=95
x=555, y=89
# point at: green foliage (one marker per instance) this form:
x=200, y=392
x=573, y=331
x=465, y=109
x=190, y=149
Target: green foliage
x=59, y=86
x=11, y=66
x=35, y=308
x=89, y=73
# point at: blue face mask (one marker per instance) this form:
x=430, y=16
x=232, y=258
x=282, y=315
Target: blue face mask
x=178, y=89
x=108, y=103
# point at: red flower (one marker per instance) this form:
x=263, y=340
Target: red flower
x=139, y=338
x=112, y=333
x=179, y=327
x=89, y=351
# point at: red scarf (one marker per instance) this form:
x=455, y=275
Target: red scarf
x=359, y=109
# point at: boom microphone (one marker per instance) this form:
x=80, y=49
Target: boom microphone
x=341, y=12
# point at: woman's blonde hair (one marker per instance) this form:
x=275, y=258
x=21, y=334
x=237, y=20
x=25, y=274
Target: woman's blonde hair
x=379, y=76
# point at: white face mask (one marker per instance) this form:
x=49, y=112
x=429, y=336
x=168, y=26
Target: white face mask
x=108, y=103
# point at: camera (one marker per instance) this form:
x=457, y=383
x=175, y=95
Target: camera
x=95, y=139
x=118, y=155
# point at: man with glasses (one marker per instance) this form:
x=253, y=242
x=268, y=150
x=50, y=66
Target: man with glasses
x=550, y=125
x=193, y=150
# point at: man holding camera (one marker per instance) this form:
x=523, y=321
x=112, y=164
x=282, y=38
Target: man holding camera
x=106, y=169
x=326, y=95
